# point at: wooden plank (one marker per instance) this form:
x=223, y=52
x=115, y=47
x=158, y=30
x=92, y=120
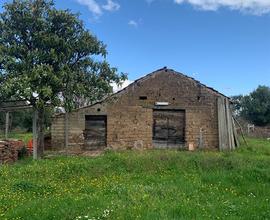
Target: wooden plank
x=96, y=124
x=95, y=134
x=242, y=132
x=168, y=128
x=160, y=128
x=201, y=139
x=13, y=109
x=220, y=138
x=95, y=131
x=237, y=144
x=229, y=125
x=224, y=141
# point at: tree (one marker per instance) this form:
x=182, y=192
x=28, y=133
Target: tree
x=255, y=107
x=237, y=104
x=47, y=57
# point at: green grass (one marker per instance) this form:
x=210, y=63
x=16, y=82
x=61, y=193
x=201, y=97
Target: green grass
x=141, y=185
x=24, y=136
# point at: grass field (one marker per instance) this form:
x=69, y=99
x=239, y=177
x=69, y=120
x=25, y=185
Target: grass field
x=25, y=137
x=141, y=185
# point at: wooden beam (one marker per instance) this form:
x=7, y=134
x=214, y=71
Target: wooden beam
x=201, y=139
x=222, y=125
x=7, y=125
x=229, y=125
x=235, y=134
x=242, y=132
x=219, y=106
x=35, y=155
x=66, y=130
x=14, y=108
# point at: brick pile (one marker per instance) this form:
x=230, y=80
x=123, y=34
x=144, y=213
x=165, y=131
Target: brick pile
x=9, y=151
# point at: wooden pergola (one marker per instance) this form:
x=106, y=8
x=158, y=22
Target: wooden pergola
x=17, y=105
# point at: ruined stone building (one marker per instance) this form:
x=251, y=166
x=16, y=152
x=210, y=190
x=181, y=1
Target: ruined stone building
x=164, y=109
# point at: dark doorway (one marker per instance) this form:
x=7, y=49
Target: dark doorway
x=95, y=132
x=168, y=128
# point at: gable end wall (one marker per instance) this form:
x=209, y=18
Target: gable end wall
x=130, y=119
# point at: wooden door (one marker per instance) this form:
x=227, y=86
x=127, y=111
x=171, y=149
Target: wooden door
x=168, y=128
x=95, y=132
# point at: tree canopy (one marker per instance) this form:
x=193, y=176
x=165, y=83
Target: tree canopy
x=254, y=107
x=48, y=57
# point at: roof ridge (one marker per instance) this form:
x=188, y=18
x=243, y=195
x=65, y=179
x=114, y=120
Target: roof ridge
x=148, y=75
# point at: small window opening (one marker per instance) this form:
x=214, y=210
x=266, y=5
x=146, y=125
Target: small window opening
x=143, y=98
x=98, y=109
x=173, y=99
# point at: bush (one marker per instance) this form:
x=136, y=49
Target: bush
x=22, y=153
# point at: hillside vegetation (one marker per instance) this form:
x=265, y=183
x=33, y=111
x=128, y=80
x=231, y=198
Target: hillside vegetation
x=154, y=184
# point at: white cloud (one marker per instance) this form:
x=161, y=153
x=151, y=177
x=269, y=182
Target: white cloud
x=97, y=9
x=256, y=7
x=92, y=6
x=111, y=6
x=124, y=85
x=133, y=23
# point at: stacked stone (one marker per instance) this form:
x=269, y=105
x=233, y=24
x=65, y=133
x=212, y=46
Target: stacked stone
x=8, y=154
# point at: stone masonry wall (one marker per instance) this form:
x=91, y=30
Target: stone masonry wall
x=199, y=103
x=130, y=118
x=57, y=132
x=76, y=125
x=129, y=127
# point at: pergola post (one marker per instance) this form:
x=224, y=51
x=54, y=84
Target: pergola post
x=7, y=125
x=35, y=156
x=66, y=130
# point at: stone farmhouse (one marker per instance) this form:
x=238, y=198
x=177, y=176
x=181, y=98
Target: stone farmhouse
x=164, y=109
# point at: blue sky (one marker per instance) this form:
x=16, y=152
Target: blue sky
x=224, y=44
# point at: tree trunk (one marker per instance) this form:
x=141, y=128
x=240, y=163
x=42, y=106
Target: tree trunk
x=40, y=133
